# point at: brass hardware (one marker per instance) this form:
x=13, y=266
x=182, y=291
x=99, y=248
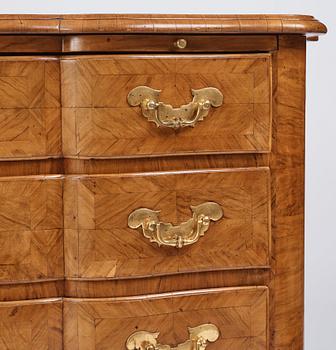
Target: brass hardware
x=179, y=236
x=166, y=115
x=181, y=43
x=198, y=339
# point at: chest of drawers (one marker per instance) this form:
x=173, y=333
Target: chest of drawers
x=152, y=181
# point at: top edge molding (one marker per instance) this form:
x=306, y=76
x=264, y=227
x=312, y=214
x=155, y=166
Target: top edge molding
x=159, y=23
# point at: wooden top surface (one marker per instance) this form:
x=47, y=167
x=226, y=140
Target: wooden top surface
x=157, y=23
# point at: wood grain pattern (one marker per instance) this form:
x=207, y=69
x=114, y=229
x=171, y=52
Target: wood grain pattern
x=32, y=289
x=98, y=122
x=105, y=288
x=167, y=43
x=99, y=243
x=30, y=118
x=239, y=313
x=133, y=23
x=138, y=165
x=25, y=24
x=160, y=23
x=287, y=164
x=30, y=43
x=31, y=223
x=254, y=254
x=31, y=325
x=45, y=44
x=31, y=167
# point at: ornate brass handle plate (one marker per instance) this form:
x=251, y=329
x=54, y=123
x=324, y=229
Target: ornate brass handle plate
x=166, y=115
x=198, y=339
x=167, y=234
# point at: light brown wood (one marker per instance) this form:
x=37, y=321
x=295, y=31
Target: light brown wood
x=12, y=44
x=287, y=164
x=98, y=122
x=30, y=116
x=163, y=43
x=67, y=115
x=134, y=23
x=25, y=24
x=160, y=23
x=104, y=288
x=30, y=44
x=32, y=289
x=239, y=313
x=130, y=165
x=31, y=223
x=31, y=167
x=99, y=244
x=33, y=324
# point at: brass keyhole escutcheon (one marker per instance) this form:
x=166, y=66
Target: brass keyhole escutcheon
x=181, y=43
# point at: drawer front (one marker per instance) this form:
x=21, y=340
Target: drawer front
x=31, y=325
x=107, y=237
x=234, y=318
x=100, y=121
x=30, y=118
x=31, y=228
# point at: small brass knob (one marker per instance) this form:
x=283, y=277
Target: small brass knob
x=181, y=43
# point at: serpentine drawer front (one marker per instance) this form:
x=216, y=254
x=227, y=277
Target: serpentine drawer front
x=152, y=181
x=105, y=240
x=232, y=318
x=221, y=104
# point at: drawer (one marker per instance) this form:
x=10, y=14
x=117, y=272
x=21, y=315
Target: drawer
x=233, y=318
x=204, y=220
x=31, y=228
x=106, y=114
x=31, y=325
x=30, y=118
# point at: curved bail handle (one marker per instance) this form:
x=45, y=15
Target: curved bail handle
x=164, y=115
x=166, y=234
x=199, y=337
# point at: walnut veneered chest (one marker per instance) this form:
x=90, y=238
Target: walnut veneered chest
x=152, y=181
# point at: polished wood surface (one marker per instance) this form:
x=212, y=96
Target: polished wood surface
x=31, y=167
x=33, y=324
x=287, y=164
x=160, y=23
x=99, y=123
x=48, y=288
x=31, y=228
x=75, y=155
x=100, y=244
x=239, y=313
x=30, y=44
x=105, y=288
x=68, y=44
x=172, y=163
x=164, y=43
x=30, y=116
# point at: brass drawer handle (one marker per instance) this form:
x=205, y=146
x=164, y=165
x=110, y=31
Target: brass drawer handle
x=165, y=234
x=198, y=339
x=166, y=115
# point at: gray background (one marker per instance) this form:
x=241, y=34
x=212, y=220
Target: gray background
x=320, y=257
